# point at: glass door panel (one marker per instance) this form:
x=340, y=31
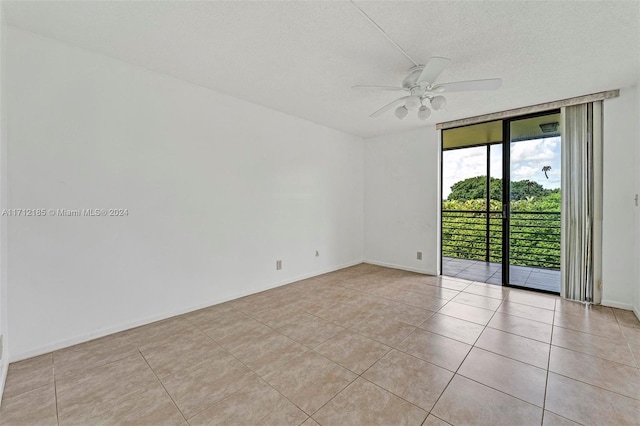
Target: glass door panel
x=533, y=211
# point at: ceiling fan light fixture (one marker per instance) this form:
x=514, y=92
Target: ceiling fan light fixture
x=438, y=102
x=424, y=113
x=413, y=103
x=401, y=112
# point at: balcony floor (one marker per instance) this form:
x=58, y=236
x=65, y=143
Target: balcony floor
x=491, y=273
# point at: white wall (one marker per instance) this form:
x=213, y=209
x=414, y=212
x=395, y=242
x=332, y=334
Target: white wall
x=636, y=303
x=620, y=143
x=217, y=190
x=4, y=353
x=401, y=199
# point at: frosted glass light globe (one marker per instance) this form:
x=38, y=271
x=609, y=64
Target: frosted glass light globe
x=438, y=102
x=413, y=103
x=401, y=112
x=424, y=113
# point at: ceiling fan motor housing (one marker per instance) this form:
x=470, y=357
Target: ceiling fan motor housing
x=410, y=81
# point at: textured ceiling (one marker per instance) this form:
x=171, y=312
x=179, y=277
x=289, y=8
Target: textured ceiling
x=301, y=58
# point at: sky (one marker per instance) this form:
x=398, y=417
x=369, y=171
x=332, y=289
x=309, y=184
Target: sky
x=527, y=160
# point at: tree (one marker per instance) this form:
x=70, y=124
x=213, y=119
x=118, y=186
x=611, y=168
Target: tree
x=475, y=188
x=546, y=169
x=522, y=189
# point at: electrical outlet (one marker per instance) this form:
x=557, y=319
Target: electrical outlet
x=278, y=265
x=419, y=255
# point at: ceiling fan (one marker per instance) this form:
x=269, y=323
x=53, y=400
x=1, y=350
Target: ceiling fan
x=420, y=85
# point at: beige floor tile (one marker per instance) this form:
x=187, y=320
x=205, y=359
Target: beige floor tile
x=467, y=313
x=588, y=404
x=159, y=331
x=213, y=363
x=352, y=351
x=513, y=346
x=522, y=327
x=148, y=406
x=35, y=407
x=384, y=329
x=609, y=375
x=592, y=325
x=478, y=301
x=419, y=300
x=448, y=283
x=590, y=344
x=552, y=419
x=410, y=378
x=92, y=354
x=584, y=310
x=122, y=392
x=203, y=318
x=268, y=353
x=363, y=403
x=635, y=350
x=310, y=330
x=310, y=381
x=118, y=377
x=626, y=318
x=532, y=299
x=487, y=290
x=404, y=313
x=342, y=314
x=512, y=377
x=441, y=351
x=454, y=328
x=526, y=311
x=170, y=356
x=200, y=386
x=432, y=291
x=256, y=404
x=466, y=402
x=278, y=316
x=631, y=334
x=434, y=421
x=235, y=330
x=27, y=375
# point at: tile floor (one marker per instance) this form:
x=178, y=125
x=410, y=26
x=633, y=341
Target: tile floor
x=363, y=345
x=491, y=273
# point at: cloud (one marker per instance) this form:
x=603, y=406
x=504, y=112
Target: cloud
x=527, y=160
x=534, y=150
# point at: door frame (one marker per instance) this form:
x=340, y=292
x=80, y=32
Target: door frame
x=506, y=195
x=506, y=189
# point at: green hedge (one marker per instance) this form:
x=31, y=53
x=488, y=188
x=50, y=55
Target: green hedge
x=535, y=230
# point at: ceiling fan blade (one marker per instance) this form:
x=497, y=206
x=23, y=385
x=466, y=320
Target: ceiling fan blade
x=387, y=107
x=468, y=86
x=432, y=70
x=390, y=88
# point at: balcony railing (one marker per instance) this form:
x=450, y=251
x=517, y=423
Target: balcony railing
x=477, y=235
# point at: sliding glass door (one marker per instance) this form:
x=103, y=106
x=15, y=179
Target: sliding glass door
x=497, y=239
x=533, y=220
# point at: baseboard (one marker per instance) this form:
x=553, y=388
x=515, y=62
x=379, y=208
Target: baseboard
x=402, y=267
x=614, y=304
x=637, y=312
x=122, y=327
x=4, y=369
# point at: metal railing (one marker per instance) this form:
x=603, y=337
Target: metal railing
x=477, y=235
